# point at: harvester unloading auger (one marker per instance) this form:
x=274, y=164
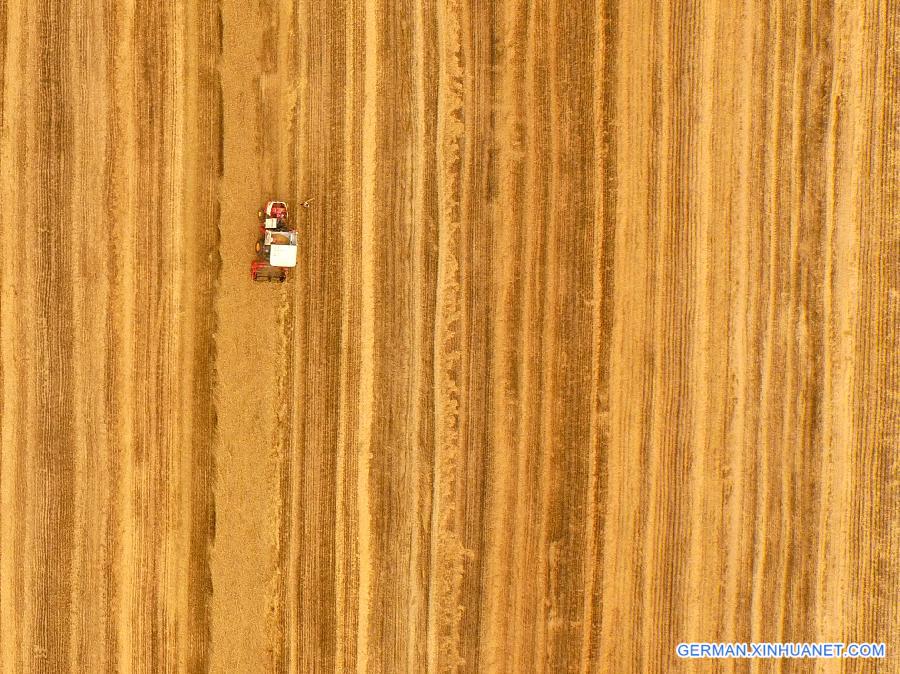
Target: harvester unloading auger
x=276, y=247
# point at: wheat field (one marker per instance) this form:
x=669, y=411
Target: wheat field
x=593, y=347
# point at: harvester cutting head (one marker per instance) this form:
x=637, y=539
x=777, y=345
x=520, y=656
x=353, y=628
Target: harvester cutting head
x=276, y=247
x=277, y=209
x=274, y=215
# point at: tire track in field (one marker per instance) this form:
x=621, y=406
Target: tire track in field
x=154, y=281
x=286, y=33
x=605, y=116
x=204, y=168
x=91, y=362
x=11, y=397
x=351, y=536
x=50, y=456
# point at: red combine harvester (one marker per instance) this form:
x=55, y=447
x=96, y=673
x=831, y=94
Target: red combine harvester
x=276, y=248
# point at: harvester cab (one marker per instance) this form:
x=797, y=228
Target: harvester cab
x=276, y=246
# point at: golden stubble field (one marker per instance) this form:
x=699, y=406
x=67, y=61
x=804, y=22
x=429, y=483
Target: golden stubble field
x=592, y=350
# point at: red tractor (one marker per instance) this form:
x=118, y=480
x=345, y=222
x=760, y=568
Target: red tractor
x=276, y=247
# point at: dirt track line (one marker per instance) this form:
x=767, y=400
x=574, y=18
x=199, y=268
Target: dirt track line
x=199, y=127
x=740, y=350
x=421, y=367
x=505, y=215
x=525, y=362
x=51, y=459
x=602, y=304
x=446, y=551
x=367, y=333
x=834, y=435
x=122, y=197
x=347, y=460
x=759, y=546
x=177, y=594
x=11, y=355
x=545, y=99
x=874, y=539
x=417, y=604
x=90, y=291
x=293, y=426
x=280, y=146
x=627, y=339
